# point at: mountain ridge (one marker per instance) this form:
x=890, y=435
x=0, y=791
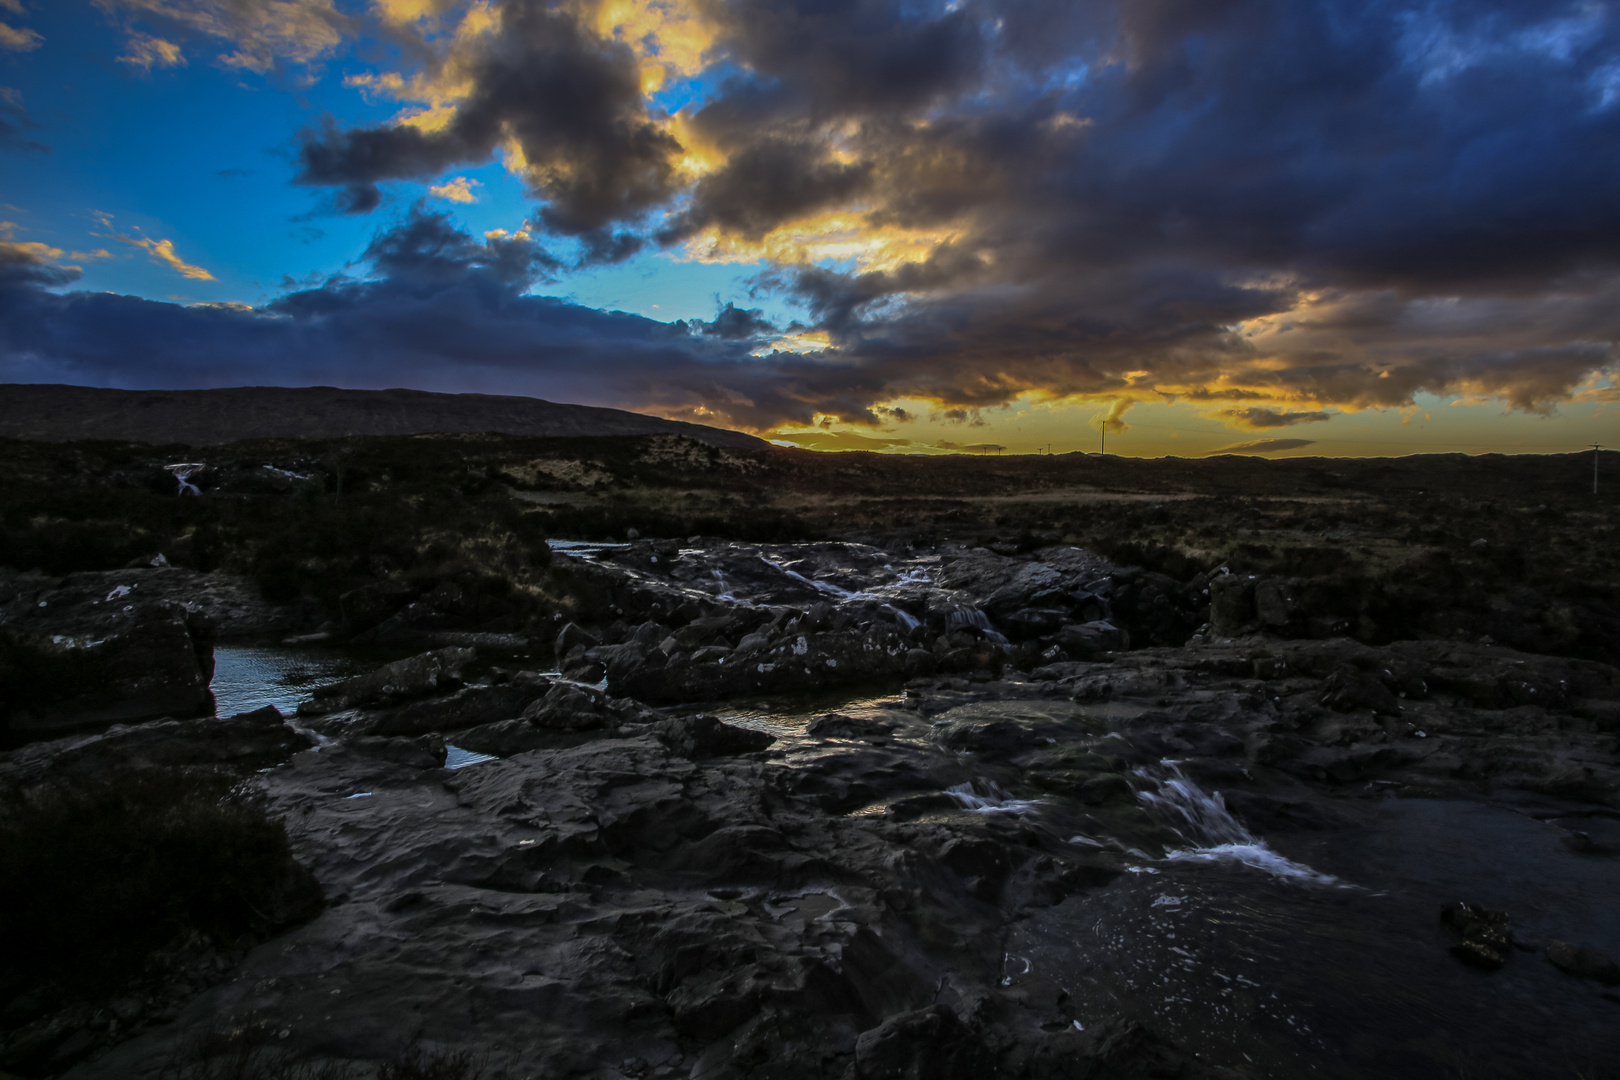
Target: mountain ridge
x=51, y=412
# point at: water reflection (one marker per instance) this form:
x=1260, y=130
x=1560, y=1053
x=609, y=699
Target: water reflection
x=248, y=677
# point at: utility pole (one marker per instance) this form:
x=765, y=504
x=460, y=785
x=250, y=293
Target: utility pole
x=1105, y=435
x=1595, y=449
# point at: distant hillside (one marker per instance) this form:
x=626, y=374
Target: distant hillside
x=201, y=417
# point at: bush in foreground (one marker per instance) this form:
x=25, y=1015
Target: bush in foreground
x=96, y=877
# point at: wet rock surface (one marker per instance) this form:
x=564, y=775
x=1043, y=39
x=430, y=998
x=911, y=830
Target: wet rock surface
x=119, y=646
x=1052, y=754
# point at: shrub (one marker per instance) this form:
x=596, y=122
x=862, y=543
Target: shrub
x=96, y=877
x=248, y=1052
x=252, y=1051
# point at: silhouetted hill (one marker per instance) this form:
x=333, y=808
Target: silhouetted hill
x=50, y=413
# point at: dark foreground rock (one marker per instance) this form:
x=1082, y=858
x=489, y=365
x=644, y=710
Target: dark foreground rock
x=629, y=892
x=117, y=646
x=641, y=891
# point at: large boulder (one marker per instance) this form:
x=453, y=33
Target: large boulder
x=925, y=1044
x=87, y=664
x=251, y=740
x=420, y=676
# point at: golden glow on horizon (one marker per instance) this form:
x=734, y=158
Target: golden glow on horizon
x=1156, y=429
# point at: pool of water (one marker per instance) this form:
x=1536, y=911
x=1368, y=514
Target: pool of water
x=248, y=677
x=1285, y=977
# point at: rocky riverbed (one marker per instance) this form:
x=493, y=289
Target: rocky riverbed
x=856, y=810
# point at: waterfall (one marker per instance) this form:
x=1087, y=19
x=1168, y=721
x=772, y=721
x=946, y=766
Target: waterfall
x=971, y=618
x=1205, y=823
x=994, y=800
x=183, y=472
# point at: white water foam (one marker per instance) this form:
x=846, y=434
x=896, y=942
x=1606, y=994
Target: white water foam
x=183, y=471
x=457, y=758
x=996, y=799
x=1218, y=837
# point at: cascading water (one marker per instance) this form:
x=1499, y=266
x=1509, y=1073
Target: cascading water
x=183, y=472
x=993, y=799
x=971, y=618
x=1203, y=821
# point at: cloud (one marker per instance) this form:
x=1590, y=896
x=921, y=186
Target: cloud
x=734, y=323
x=566, y=107
x=147, y=52
x=260, y=35
x=27, y=267
x=438, y=309
x=13, y=39
x=1259, y=418
x=14, y=120
x=457, y=189
x=1284, y=209
x=160, y=250
x=837, y=440
x=1264, y=446
x=971, y=448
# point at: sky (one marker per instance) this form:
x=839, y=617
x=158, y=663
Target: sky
x=1283, y=227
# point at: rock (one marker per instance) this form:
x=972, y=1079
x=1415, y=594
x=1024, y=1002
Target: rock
x=920, y=662
x=1347, y=689
x=704, y=736
x=419, y=676
x=1001, y=730
x=1026, y=582
x=79, y=666
x=1276, y=603
x=573, y=636
x=1087, y=640
x=1487, y=936
x=1104, y=789
x=1028, y=624
x=466, y=707
x=505, y=738
x=1583, y=962
x=925, y=1044
x=1231, y=604
x=427, y=752
x=1121, y=1047
x=568, y=708
x=839, y=726
x=751, y=644
x=252, y=740
x=649, y=633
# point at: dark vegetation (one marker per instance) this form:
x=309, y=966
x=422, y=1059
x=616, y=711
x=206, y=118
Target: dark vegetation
x=252, y=1051
x=98, y=878
x=356, y=529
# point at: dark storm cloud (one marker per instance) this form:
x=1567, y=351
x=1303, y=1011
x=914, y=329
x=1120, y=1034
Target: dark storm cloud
x=1261, y=418
x=822, y=59
x=765, y=184
x=570, y=100
x=441, y=310
x=734, y=322
x=1215, y=163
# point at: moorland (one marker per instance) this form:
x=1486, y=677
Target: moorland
x=661, y=756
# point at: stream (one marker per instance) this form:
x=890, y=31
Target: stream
x=1315, y=954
